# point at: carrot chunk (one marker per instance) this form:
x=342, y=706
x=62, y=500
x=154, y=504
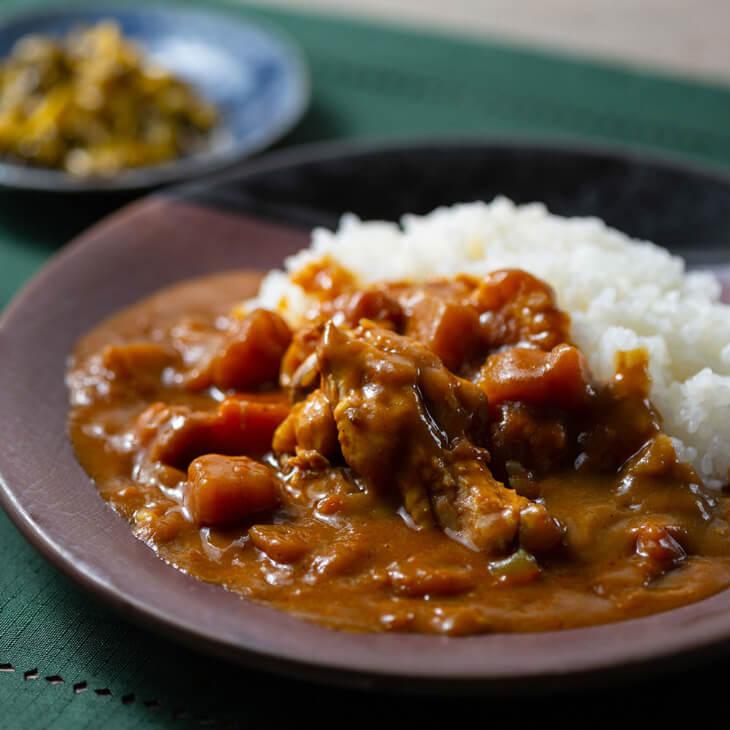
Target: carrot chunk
x=517, y=308
x=176, y=435
x=223, y=490
x=250, y=355
x=282, y=543
x=253, y=423
x=450, y=329
x=559, y=377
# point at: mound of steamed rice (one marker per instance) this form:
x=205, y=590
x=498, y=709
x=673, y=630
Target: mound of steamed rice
x=621, y=294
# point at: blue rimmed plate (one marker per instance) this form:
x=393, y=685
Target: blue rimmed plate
x=255, y=76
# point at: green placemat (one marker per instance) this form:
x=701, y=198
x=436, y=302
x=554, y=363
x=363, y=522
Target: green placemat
x=66, y=662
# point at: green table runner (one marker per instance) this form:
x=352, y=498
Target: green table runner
x=67, y=662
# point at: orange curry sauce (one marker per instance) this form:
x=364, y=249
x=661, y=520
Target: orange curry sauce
x=431, y=458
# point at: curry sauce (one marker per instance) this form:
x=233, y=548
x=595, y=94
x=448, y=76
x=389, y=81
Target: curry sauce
x=431, y=458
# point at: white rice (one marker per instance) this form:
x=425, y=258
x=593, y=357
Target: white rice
x=621, y=294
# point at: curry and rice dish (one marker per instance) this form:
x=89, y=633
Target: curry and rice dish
x=465, y=449
x=92, y=104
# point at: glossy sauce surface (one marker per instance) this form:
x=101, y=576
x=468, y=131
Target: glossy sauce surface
x=418, y=481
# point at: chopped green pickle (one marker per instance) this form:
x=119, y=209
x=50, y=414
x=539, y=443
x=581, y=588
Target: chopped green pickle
x=519, y=568
x=91, y=104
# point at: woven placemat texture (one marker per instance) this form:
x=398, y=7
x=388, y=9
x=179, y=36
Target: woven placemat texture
x=67, y=662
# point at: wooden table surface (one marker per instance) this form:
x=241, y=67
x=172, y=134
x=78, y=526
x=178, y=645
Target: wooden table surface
x=688, y=37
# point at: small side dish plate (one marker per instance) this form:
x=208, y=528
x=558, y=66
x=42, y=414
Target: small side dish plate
x=252, y=220
x=255, y=77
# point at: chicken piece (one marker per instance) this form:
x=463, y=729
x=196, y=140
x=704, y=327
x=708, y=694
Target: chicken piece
x=299, y=371
x=538, y=441
x=622, y=418
x=404, y=422
x=175, y=435
x=518, y=308
x=655, y=481
x=299, y=365
x=309, y=426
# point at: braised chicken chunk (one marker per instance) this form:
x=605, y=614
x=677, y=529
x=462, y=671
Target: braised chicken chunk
x=405, y=422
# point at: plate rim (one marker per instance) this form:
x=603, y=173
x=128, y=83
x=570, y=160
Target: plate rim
x=322, y=150
x=709, y=639
x=187, y=169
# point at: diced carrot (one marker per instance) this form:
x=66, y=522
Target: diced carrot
x=517, y=308
x=137, y=361
x=247, y=426
x=252, y=352
x=176, y=435
x=408, y=578
x=450, y=329
x=532, y=376
x=223, y=490
x=282, y=543
x=375, y=305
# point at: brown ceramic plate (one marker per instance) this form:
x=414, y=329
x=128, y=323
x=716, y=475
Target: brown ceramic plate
x=252, y=220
